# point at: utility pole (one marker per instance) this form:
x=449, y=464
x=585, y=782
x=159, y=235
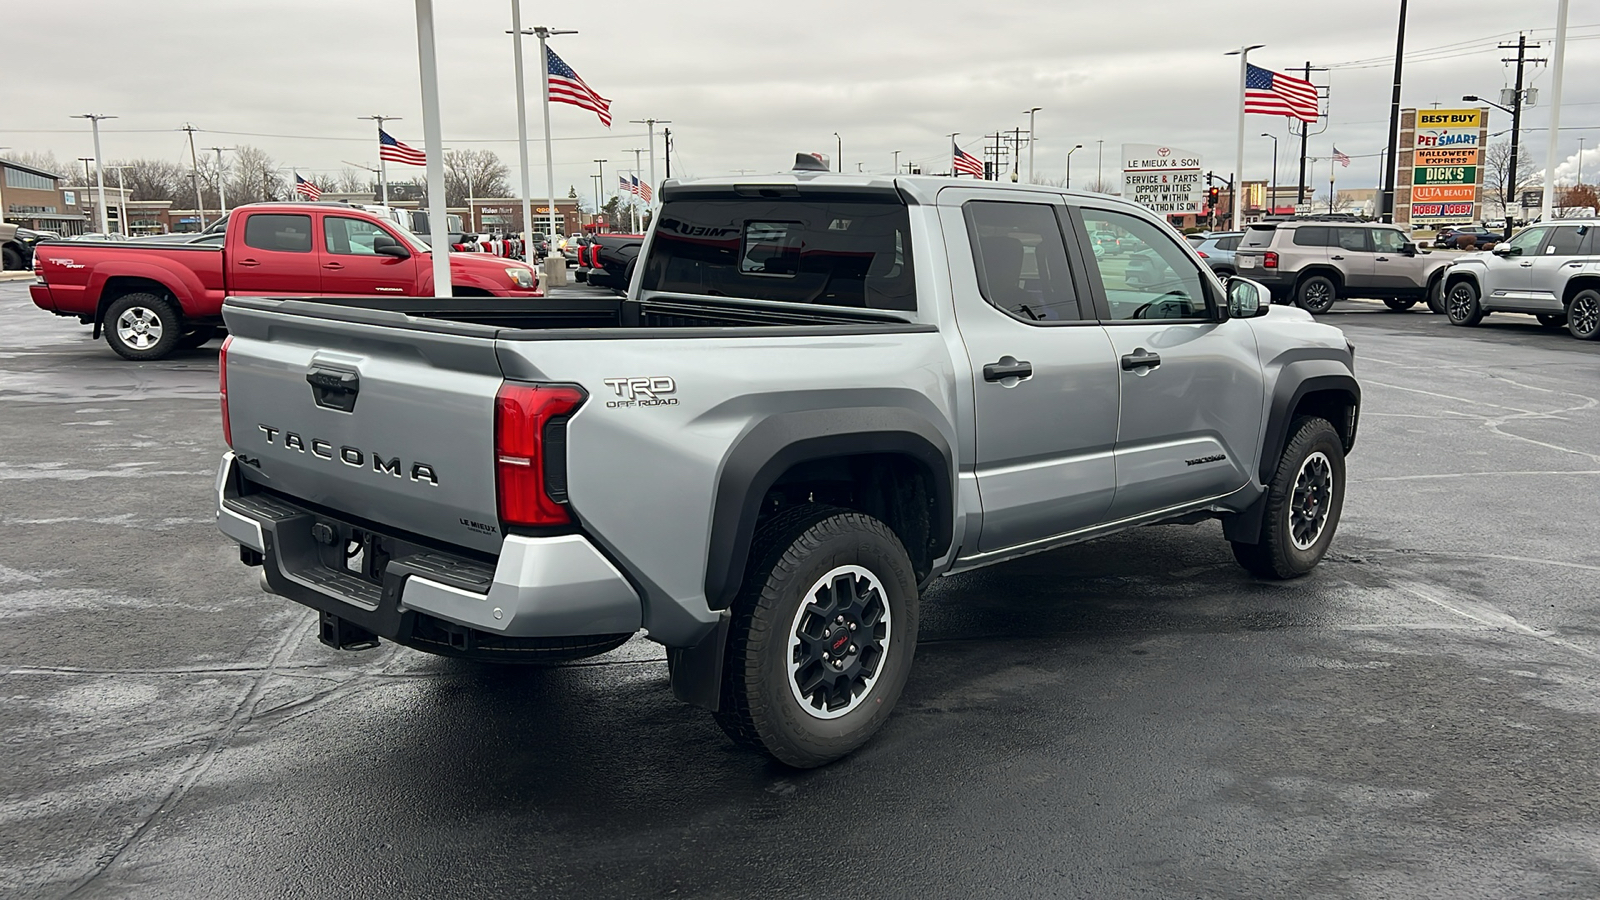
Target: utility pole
x=650, y=129
x=1100, y=166
x=1305, y=133
x=383, y=172
x=1386, y=201
x=194, y=160
x=1016, y=152
x=99, y=173
x=838, y=151
x=897, y=162
x=1521, y=46
x=222, y=197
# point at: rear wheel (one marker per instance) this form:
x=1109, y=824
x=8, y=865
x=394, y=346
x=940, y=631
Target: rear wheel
x=143, y=327
x=1583, y=315
x=1316, y=294
x=822, y=636
x=1435, y=296
x=1399, y=305
x=1461, y=304
x=1304, y=501
x=10, y=259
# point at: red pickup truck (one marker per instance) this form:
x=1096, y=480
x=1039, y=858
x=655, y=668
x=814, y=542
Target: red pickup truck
x=154, y=298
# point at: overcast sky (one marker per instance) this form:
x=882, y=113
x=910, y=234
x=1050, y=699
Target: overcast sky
x=747, y=85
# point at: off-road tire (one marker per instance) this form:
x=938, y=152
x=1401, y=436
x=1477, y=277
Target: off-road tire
x=759, y=708
x=162, y=311
x=1461, y=304
x=10, y=259
x=1583, y=315
x=1399, y=305
x=1316, y=294
x=1278, y=555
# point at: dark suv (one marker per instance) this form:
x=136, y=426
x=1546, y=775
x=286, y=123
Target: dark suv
x=1312, y=263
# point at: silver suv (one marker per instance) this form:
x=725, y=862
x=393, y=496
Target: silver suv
x=1312, y=263
x=1550, y=271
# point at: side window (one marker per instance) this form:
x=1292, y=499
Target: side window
x=1351, y=239
x=1387, y=240
x=1563, y=242
x=1228, y=243
x=283, y=233
x=1527, y=241
x=1312, y=236
x=1022, y=260
x=1152, y=278
x=350, y=237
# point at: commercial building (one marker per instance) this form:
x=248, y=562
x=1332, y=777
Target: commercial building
x=34, y=198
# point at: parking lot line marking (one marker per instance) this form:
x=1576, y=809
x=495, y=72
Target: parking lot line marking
x=1495, y=618
x=1433, y=475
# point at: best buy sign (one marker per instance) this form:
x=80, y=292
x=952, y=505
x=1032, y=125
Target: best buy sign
x=1445, y=175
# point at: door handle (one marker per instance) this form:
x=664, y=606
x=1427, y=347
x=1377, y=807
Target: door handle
x=333, y=265
x=1575, y=265
x=1008, y=367
x=1139, y=359
x=1525, y=265
x=1336, y=257
x=1381, y=259
x=248, y=263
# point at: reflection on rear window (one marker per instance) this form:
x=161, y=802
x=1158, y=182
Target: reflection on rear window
x=1258, y=237
x=833, y=251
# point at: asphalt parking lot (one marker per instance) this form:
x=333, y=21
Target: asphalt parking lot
x=1136, y=717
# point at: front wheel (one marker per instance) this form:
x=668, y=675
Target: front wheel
x=822, y=636
x=143, y=327
x=1583, y=315
x=1399, y=305
x=1461, y=304
x=1316, y=294
x=1303, y=504
x=10, y=259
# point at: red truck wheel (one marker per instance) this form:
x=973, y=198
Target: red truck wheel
x=143, y=327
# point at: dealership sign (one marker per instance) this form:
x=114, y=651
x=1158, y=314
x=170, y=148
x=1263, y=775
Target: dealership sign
x=1161, y=178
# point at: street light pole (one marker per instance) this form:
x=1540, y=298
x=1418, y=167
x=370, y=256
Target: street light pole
x=1100, y=166
x=897, y=162
x=1386, y=204
x=838, y=151
x=1075, y=149
x=600, y=182
x=650, y=130
x=1272, y=194
x=99, y=174
x=1030, y=142
x=433, y=140
x=383, y=171
x=1238, y=165
x=222, y=197
x=1548, y=206
x=516, y=33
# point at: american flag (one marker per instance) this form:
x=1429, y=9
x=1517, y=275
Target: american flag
x=394, y=151
x=567, y=87
x=964, y=163
x=1275, y=94
x=644, y=190
x=1340, y=158
x=627, y=185
x=306, y=189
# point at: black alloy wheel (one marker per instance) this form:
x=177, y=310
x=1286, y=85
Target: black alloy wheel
x=1316, y=294
x=1461, y=304
x=1303, y=504
x=1583, y=315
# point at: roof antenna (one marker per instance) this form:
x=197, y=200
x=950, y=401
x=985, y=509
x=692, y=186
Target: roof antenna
x=809, y=162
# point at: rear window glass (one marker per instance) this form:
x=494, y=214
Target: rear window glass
x=1259, y=237
x=289, y=234
x=802, y=250
x=1312, y=236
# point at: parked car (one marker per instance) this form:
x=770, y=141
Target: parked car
x=16, y=246
x=1551, y=271
x=1467, y=237
x=1313, y=263
x=154, y=298
x=611, y=260
x=1109, y=242
x=576, y=259
x=1217, y=250
x=841, y=398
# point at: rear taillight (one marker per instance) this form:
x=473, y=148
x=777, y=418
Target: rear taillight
x=586, y=257
x=530, y=451
x=222, y=389
x=1202, y=254
x=1270, y=260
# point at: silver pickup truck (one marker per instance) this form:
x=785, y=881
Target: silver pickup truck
x=820, y=393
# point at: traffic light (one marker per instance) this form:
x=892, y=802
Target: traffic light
x=1212, y=195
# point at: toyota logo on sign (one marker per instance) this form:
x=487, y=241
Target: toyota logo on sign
x=1163, y=151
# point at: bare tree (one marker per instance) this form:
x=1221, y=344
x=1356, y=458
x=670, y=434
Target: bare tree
x=351, y=181
x=480, y=170
x=156, y=179
x=1499, y=187
x=44, y=161
x=255, y=177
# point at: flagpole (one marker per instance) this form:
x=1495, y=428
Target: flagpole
x=433, y=141
x=522, y=129
x=1238, y=165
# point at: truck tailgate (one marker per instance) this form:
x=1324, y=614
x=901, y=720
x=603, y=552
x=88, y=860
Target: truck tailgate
x=370, y=413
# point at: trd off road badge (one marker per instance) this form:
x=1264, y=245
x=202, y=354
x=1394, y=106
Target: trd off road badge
x=650, y=390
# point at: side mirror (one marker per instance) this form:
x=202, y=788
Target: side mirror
x=384, y=245
x=1409, y=248
x=1504, y=249
x=1247, y=299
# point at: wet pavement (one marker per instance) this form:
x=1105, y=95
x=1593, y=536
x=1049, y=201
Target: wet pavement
x=1134, y=717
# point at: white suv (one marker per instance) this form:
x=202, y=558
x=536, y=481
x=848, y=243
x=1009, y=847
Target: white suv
x=1551, y=271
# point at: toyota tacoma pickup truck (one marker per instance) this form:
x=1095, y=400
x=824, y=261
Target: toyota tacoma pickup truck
x=154, y=298
x=820, y=393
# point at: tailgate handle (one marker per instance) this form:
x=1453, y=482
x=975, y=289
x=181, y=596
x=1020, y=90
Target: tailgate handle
x=334, y=389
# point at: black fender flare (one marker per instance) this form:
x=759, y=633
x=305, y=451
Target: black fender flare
x=780, y=441
x=1295, y=380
